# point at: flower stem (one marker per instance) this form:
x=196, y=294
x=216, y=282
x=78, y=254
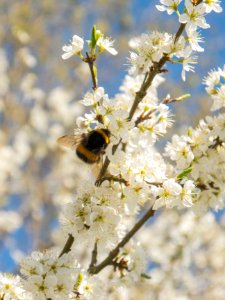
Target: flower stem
x=90, y=62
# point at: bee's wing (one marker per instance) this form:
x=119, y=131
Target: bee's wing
x=96, y=167
x=70, y=141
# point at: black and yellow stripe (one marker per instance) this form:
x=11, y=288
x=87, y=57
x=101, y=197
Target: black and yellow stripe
x=103, y=134
x=86, y=155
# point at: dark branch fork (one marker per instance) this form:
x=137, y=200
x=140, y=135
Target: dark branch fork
x=109, y=259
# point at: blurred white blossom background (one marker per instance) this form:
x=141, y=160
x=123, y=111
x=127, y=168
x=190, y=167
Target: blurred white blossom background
x=181, y=250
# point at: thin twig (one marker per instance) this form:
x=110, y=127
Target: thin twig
x=68, y=245
x=179, y=32
x=94, y=256
x=114, y=179
x=108, y=260
x=90, y=62
x=143, y=117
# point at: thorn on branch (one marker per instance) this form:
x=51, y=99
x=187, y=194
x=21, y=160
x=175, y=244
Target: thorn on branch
x=163, y=71
x=94, y=256
x=120, y=264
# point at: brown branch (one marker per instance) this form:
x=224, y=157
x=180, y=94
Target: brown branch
x=109, y=259
x=156, y=69
x=179, y=32
x=94, y=256
x=68, y=245
x=90, y=61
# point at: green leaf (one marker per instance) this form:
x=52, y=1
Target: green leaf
x=146, y=276
x=92, y=42
x=189, y=131
x=183, y=97
x=89, y=42
x=98, y=34
x=184, y=173
x=95, y=73
x=93, y=36
x=79, y=280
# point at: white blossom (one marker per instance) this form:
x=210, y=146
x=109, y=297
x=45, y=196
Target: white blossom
x=93, y=98
x=169, y=6
x=187, y=61
x=187, y=193
x=75, y=47
x=11, y=288
x=148, y=48
x=194, y=38
x=194, y=16
x=215, y=87
x=119, y=124
x=89, y=287
x=167, y=194
x=212, y=5
x=180, y=152
x=106, y=44
x=44, y=271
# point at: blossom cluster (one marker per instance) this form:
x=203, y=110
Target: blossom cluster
x=150, y=49
x=98, y=40
x=49, y=276
x=11, y=288
x=202, y=150
x=93, y=215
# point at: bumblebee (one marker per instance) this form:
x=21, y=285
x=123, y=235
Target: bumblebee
x=89, y=146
